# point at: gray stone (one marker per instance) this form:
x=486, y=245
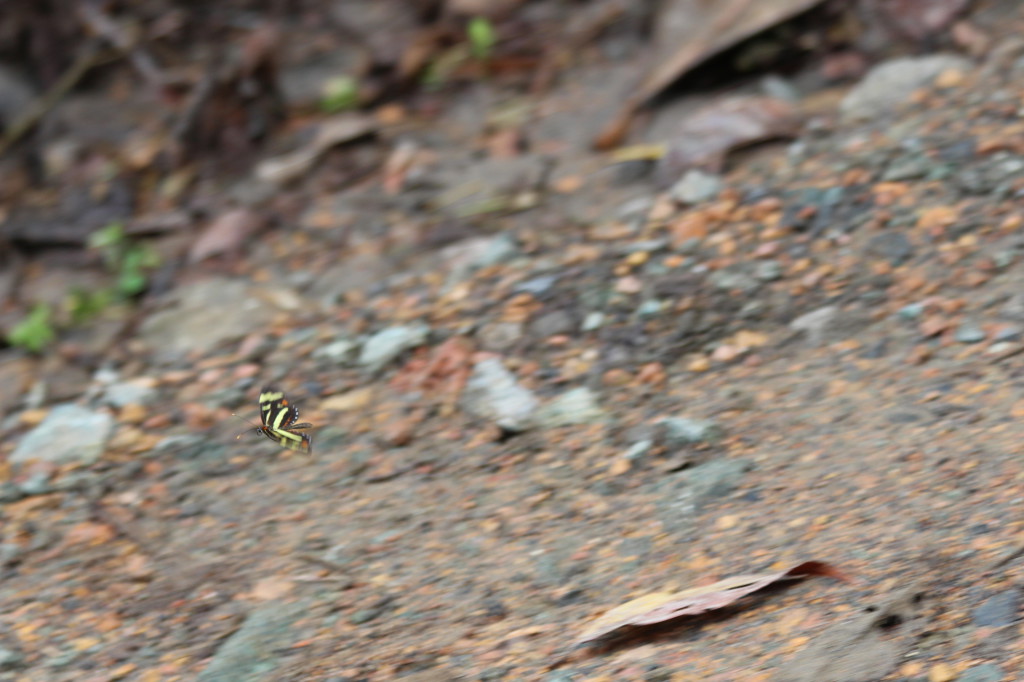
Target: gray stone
x=986, y=672
x=9, y=492
x=593, y=321
x=357, y=273
x=696, y=186
x=577, y=406
x=1013, y=309
x=893, y=246
x=639, y=449
x=209, y=313
x=911, y=312
x=677, y=432
x=714, y=479
x=643, y=245
x=192, y=447
x=969, y=331
x=908, y=168
x=768, y=271
x=493, y=393
x=469, y=255
x=1011, y=332
x=892, y=83
x=10, y=659
x=752, y=310
x=780, y=88
x=635, y=209
x=37, y=483
x=253, y=652
x=650, y=308
x=816, y=323
x=729, y=280
x=10, y=554
x=364, y=616
x=537, y=285
x=69, y=434
x=499, y=336
x=998, y=610
x=337, y=352
x=481, y=184
x=1001, y=347
x=133, y=392
x=388, y=344
x=552, y=323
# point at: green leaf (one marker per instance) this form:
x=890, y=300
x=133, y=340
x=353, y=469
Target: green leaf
x=481, y=37
x=83, y=305
x=111, y=235
x=441, y=69
x=35, y=332
x=110, y=241
x=340, y=94
x=131, y=279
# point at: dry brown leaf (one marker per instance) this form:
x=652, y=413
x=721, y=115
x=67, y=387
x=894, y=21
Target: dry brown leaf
x=356, y=399
x=919, y=19
x=443, y=371
x=333, y=131
x=89, y=533
x=272, y=588
x=659, y=607
x=689, y=34
x=226, y=234
x=401, y=159
x=704, y=138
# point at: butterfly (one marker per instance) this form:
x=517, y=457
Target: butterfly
x=279, y=417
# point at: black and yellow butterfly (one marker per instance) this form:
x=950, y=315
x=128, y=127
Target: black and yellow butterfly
x=279, y=417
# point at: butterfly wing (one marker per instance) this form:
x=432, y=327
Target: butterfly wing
x=279, y=417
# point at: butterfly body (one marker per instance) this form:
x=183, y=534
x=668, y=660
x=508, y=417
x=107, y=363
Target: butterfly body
x=279, y=419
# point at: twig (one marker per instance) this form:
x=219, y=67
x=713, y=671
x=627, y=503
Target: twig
x=1008, y=354
x=1002, y=561
x=102, y=25
x=90, y=57
x=324, y=563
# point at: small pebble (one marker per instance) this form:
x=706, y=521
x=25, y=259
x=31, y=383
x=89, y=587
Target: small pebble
x=388, y=344
x=594, y=320
x=970, y=332
x=680, y=431
x=911, y=312
x=998, y=610
x=986, y=672
x=696, y=186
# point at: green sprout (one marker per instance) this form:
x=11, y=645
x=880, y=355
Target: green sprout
x=340, y=94
x=35, y=332
x=110, y=242
x=481, y=37
x=126, y=259
x=83, y=305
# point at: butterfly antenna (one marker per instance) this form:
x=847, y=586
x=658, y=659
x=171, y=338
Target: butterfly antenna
x=247, y=422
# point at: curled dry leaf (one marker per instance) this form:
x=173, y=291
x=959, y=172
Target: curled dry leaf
x=445, y=371
x=704, y=138
x=272, y=588
x=226, y=234
x=659, y=607
x=333, y=131
x=918, y=19
x=689, y=33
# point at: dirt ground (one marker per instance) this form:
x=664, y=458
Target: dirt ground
x=525, y=418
